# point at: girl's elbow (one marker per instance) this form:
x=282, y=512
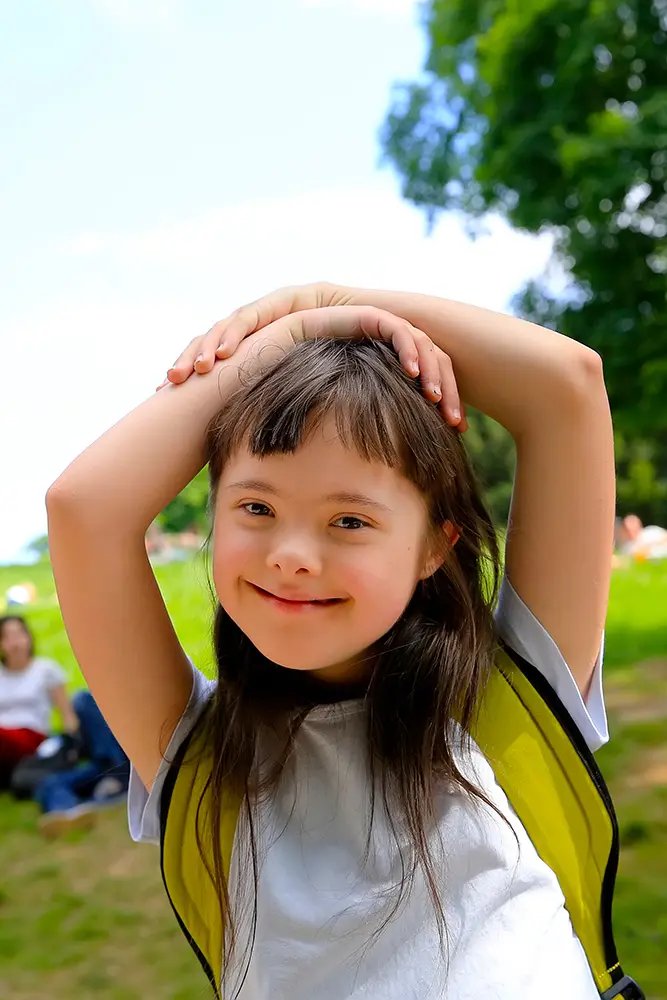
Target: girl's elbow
x=55, y=496
x=65, y=494
x=592, y=363
x=67, y=510
x=585, y=373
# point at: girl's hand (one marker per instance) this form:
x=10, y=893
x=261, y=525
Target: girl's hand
x=224, y=337
x=416, y=351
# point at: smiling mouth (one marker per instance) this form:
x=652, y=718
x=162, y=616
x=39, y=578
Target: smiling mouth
x=297, y=602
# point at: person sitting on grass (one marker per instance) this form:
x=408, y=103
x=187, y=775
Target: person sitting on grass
x=30, y=687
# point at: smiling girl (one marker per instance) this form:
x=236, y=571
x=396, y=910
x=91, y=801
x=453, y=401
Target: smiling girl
x=329, y=802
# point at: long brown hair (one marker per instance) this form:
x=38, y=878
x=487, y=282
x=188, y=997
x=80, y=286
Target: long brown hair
x=427, y=673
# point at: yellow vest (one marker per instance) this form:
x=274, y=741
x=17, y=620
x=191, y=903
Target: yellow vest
x=545, y=768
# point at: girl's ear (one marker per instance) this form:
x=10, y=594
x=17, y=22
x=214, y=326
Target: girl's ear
x=437, y=553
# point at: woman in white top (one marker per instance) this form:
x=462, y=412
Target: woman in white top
x=30, y=686
x=356, y=569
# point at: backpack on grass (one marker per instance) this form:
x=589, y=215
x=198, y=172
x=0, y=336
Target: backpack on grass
x=56, y=753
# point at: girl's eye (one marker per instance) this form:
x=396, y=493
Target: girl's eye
x=350, y=523
x=256, y=509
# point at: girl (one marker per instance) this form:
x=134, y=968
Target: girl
x=356, y=568
x=30, y=686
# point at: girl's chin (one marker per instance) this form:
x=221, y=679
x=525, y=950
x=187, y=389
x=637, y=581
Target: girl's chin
x=346, y=670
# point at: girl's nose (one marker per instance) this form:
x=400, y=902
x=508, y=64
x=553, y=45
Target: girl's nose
x=295, y=553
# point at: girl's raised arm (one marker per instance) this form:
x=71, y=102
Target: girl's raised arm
x=549, y=392
x=99, y=510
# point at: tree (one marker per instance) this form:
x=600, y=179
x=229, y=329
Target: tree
x=39, y=547
x=189, y=509
x=553, y=113
x=492, y=452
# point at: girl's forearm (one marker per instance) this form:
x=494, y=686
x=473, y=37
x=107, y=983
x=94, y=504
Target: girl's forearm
x=125, y=478
x=507, y=368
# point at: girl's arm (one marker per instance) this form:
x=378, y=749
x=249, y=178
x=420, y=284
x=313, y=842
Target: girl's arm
x=61, y=701
x=549, y=392
x=99, y=510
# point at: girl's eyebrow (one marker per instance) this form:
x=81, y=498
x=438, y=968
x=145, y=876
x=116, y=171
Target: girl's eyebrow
x=354, y=499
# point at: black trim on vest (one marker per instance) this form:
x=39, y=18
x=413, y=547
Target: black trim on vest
x=556, y=706
x=165, y=800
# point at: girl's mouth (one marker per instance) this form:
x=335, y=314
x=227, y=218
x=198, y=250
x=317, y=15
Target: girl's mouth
x=295, y=603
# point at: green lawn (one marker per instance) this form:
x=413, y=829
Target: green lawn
x=87, y=917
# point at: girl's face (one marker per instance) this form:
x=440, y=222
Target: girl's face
x=317, y=554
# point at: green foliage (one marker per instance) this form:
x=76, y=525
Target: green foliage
x=642, y=478
x=491, y=449
x=554, y=114
x=189, y=509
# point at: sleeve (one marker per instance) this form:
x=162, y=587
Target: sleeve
x=143, y=807
x=54, y=675
x=520, y=629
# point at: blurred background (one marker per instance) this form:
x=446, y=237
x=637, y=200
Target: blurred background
x=163, y=162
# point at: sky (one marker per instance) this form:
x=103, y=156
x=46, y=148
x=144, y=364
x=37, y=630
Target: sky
x=163, y=162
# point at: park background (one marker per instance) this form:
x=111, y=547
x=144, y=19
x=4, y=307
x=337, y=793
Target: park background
x=164, y=162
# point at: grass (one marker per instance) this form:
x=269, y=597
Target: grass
x=87, y=916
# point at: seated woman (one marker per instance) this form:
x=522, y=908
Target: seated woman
x=30, y=686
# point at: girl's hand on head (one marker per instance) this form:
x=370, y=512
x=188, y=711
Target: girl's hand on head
x=224, y=337
x=417, y=353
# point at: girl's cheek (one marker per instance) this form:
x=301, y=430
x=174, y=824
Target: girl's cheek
x=233, y=557
x=386, y=587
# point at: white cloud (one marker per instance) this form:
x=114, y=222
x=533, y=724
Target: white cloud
x=79, y=366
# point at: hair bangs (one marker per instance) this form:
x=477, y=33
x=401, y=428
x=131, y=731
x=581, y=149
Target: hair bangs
x=347, y=383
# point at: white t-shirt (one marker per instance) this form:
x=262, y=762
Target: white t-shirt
x=25, y=695
x=509, y=934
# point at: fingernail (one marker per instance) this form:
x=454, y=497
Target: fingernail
x=436, y=390
x=413, y=367
x=221, y=347
x=200, y=357
x=170, y=371
x=456, y=414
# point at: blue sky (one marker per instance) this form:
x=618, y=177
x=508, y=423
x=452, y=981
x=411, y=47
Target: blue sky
x=162, y=162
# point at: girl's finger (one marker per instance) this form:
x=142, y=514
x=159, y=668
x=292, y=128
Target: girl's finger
x=231, y=331
x=184, y=365
x=450, y=404
x=429, y=369
x=262, y=312
x=402, y=338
